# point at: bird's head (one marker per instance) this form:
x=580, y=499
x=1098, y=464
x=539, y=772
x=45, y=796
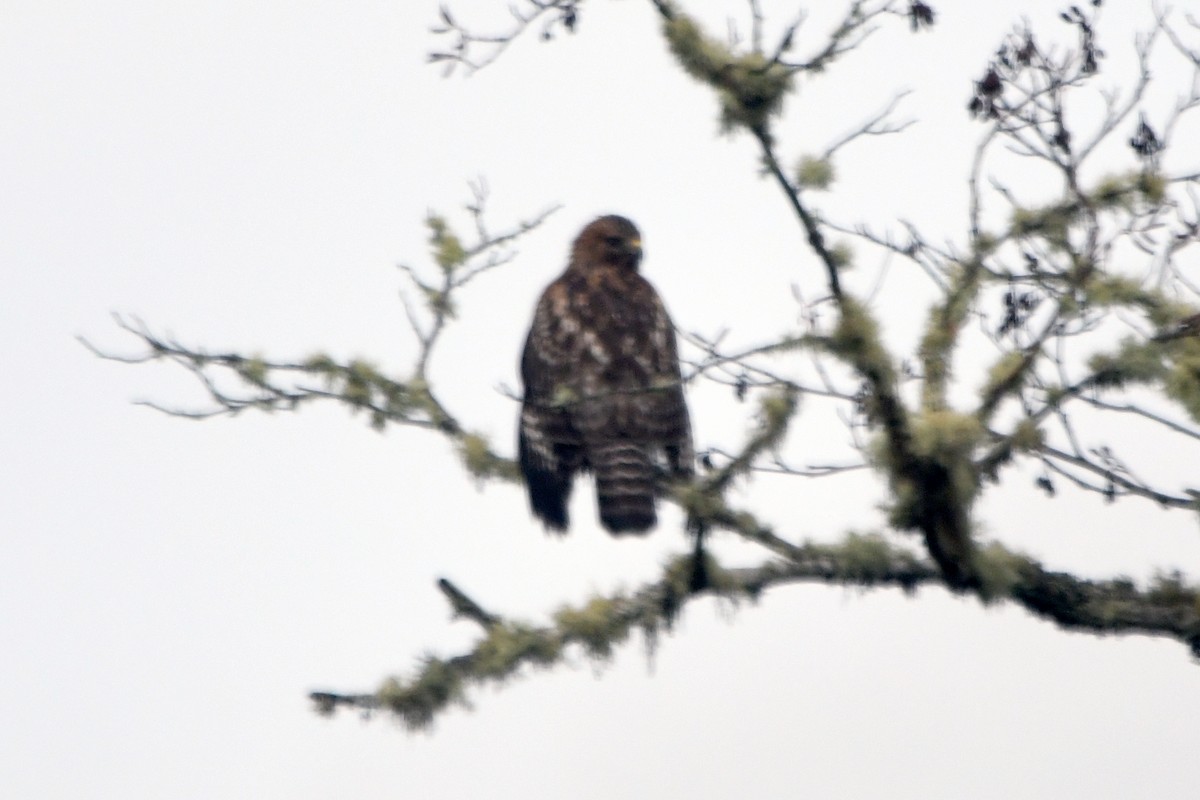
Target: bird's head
x=610, y=240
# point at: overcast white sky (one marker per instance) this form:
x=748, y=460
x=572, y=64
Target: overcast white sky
x=246, y=176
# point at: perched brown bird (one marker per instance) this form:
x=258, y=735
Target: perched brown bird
x=602, y=386
x=1188, y=326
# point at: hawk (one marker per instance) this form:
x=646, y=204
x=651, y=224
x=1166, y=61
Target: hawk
x=602, y=386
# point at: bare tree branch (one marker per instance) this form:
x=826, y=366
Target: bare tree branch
x=555, y=15
x=1167, y=608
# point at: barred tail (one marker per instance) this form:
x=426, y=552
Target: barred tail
x=624, y=487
